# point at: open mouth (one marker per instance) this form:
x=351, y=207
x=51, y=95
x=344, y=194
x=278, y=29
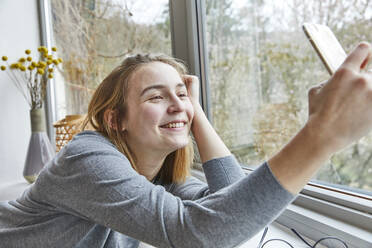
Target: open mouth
x=176, y=124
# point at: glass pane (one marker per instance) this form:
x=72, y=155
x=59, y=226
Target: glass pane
x=260, y=68
x=93, y=37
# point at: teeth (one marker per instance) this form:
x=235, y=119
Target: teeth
x=175, y=125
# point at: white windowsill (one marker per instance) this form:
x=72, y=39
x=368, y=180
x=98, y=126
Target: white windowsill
x=314, y=225
x=11, y=190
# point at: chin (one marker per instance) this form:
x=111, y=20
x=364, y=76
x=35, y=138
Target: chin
x=179, y=145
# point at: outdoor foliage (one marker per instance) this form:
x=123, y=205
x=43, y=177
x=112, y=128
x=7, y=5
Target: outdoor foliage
x=93, y=37
x=261, y=67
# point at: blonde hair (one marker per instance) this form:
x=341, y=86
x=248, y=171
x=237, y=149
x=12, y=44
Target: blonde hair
x=111, y=95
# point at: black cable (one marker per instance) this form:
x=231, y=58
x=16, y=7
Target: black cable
x=260, y=245
x=330, y=237
x=263, y=237
x=298, y=235
x=277, y=240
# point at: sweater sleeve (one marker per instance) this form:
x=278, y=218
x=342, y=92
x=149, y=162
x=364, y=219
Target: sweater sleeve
x=219, y=173
x=96, y=182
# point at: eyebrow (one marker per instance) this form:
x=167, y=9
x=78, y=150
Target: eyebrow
x=159, y=87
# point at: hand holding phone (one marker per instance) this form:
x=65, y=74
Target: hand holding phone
x=326, y=45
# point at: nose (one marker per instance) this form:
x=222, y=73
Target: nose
x=176, y=104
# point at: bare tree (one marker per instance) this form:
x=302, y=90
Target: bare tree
x=93, y=37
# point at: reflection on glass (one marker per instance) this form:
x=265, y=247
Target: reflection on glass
x=260, y=68
x=94, y=36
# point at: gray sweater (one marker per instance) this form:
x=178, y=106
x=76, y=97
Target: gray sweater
x=89, y=196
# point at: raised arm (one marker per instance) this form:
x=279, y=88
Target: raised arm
x=220, y=167
x=340, y=112
x=209, y=143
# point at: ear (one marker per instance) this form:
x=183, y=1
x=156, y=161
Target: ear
x=110, y=116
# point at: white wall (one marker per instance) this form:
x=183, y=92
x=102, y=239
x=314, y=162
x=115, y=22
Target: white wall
x=19, y=30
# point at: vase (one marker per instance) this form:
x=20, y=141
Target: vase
x=40, y=150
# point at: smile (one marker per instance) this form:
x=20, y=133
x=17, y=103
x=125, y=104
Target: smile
x=174, y=125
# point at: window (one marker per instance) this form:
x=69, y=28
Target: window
x=93, y=37
x=260, y=68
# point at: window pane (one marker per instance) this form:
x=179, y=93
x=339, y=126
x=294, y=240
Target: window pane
x=93, y=37
x=260, y=68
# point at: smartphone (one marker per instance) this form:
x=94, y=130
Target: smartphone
x=326, y=45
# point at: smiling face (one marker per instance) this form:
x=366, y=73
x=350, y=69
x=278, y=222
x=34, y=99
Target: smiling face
x=159, y=112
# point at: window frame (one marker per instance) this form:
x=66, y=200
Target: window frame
x=351, y=212
x=46, y=37
x=187, y=19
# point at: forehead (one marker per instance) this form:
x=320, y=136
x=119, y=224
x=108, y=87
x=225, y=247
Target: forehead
x=154, y=73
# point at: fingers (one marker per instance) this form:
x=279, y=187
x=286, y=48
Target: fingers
x=189, y=78
x=359, y=57
x=192, y=84
x=185, y=77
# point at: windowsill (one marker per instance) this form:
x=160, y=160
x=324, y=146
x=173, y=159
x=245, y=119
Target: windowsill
x=11, y=190
x=276, y=231
x=315, y=225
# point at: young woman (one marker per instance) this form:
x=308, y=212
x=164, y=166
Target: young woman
x=128, y=180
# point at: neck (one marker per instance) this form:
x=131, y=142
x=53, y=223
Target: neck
x=148, y=163
x=149, y=170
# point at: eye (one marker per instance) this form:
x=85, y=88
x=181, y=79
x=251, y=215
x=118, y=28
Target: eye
x=154, y=98
x=182, y=94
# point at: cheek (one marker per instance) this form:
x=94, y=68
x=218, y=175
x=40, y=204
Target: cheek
x=151, y=116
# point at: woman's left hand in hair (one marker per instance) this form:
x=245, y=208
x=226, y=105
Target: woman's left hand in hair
x=209, y=143
x=192, y=85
